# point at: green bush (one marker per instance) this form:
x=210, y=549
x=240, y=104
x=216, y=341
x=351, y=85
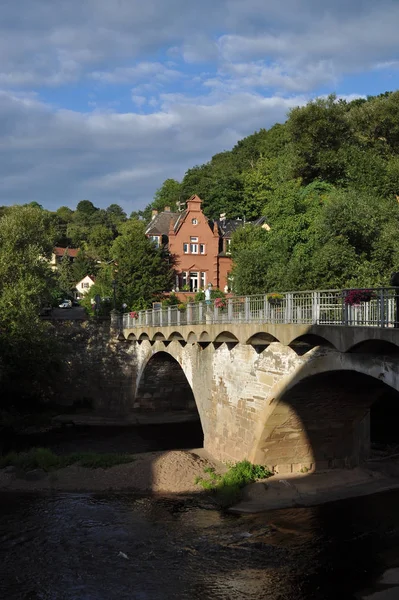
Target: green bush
x=43, y=458
x=227, y=488
x=216, y=293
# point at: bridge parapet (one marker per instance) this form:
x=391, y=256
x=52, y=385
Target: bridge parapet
x=372, y=307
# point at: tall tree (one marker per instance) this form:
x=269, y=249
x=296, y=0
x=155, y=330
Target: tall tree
x=143, y=271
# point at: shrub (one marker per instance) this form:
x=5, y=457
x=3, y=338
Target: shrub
x=275, y=298
x=44, y=458
x=227, y=488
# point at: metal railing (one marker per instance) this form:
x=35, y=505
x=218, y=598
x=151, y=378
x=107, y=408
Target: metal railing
x=380, y=308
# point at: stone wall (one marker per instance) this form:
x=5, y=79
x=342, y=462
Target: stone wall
x=95, y=371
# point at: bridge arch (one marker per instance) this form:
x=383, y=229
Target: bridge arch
x=164, y=388
x=319, y=416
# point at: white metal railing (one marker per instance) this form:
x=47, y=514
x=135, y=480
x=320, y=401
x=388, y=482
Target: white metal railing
x=324, y=307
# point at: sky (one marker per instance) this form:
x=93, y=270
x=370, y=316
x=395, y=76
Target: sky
x=105, y=99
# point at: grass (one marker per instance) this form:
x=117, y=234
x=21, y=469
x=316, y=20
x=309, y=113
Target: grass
x=43, y=458
x=227, y=488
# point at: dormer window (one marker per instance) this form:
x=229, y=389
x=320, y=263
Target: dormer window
x=194, y=221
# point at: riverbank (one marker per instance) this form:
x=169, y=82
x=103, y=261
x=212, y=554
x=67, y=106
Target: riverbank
x=175, y=472
x=168, y=472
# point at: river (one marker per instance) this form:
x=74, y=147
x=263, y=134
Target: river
x=124, y=547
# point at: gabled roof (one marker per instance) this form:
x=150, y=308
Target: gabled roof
x=71, y=252
x=228, y=226
x=92, y=277
x=160, y=224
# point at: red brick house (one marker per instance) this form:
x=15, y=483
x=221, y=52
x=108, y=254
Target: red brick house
x=200, y=246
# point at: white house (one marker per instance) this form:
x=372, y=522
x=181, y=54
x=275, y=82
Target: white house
x=83, y=286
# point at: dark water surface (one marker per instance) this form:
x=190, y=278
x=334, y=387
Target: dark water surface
x=124, y=547
x=117, y=547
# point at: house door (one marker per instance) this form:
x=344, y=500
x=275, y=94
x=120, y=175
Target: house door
x=194, y=282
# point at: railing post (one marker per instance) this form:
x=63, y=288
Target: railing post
x=314, y=307
x=382, y=308
x=215, y=314
x=189, y=313
x=200, y=312
x=288, y=308
x=169, y=315
x=147, y=317
x=230, y=310
x=246, y=309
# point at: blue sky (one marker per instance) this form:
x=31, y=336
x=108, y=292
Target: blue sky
x=105, y=99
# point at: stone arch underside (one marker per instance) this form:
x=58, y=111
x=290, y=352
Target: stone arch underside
x=318, y=417
x=163, y=388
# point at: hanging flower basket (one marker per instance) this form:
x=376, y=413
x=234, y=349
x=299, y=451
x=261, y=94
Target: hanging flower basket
x=220, y=303
x=356, y=297
x=275, y=299
x=134, y=314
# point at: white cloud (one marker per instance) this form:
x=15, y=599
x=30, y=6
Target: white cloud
x=59, y=157
x=139, y=72
x=228, y=68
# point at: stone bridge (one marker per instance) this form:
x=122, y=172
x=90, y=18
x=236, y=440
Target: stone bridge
x=294, y=397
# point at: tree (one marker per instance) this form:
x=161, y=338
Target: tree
x=99, y=242
x=27, y=282
x=167, y=195
x=65, y=274
x=83, y=265
x=143, y=271
x=85, y=207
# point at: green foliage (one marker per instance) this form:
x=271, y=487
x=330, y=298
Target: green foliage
x=215, y=293
x=227, y=487
x=43, y=458
x=143, y=271
x=27, y=349
x=65, y=274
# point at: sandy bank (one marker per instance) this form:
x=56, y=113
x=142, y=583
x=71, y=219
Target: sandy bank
x=171, y=472
x=318, y=488
x=174, y=472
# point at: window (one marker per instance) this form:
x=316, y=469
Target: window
x=184, y=279
x=194, y=245
x=203, y=280
x=85, y=285
x=202, y=248
x=185, y=248
x=155, y=240
x=193, y=281
x=194, y=221
x=228, y=244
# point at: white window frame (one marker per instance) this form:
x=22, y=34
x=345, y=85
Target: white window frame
x=194, y=221
x=193, y=245
x=155, y=240
x=228, y=245
x=202, y=279
x=186, y=248
x=202, y=249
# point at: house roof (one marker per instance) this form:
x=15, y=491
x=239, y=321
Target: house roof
x=72, y=252
x=228, y=226
x=160, y=223
x=89, y=276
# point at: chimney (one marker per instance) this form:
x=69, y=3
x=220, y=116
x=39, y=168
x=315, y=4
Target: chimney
x=167, y=209
x=154, y=213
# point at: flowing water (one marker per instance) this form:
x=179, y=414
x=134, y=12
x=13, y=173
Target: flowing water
x=125, y=547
